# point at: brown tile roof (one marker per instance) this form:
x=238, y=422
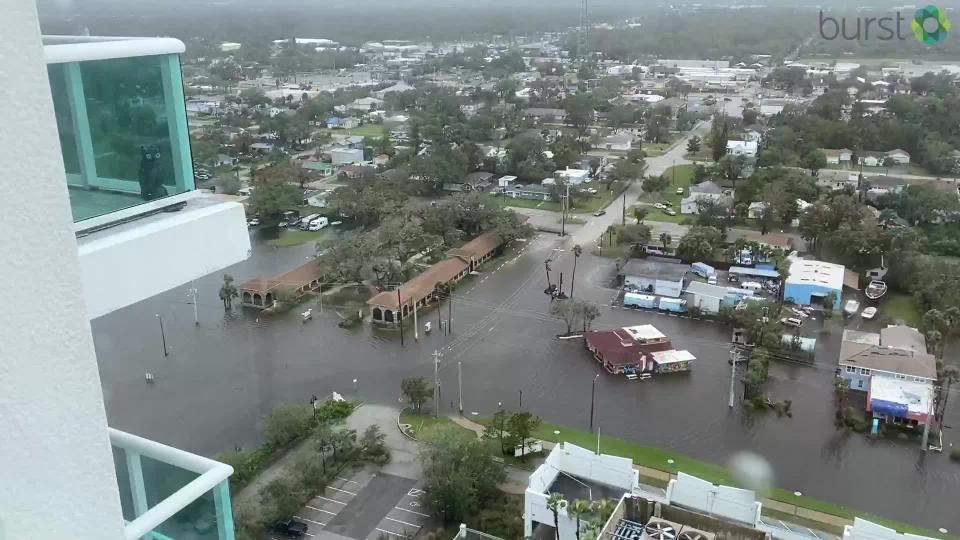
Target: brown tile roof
x=617, y=347
x=422, y=285
x=294, y=279
x=476, y=248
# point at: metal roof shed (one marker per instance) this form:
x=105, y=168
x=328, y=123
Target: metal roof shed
x=759, y=272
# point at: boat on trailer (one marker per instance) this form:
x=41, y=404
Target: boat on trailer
x=875, y=289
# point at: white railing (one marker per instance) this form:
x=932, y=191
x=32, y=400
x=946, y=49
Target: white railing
x=213, y=476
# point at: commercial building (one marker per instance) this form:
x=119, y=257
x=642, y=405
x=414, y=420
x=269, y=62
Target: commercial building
x=894, y=369
x=138, y=227
x=636, y=349
x=708, y=298
x=811, y=282
x=663, y=278
x=346, y=156
x=389, y=307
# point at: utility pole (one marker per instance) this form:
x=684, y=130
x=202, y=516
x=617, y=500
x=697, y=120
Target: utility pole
x=563, y=212
x=400, y=315
x=734, y=356
x=320, y=295
x=436, y=382
x=450, y=311
x=416, y=335
x=623, y=216
x=193, y=293
x=520, y=406
x=593, y=395
x=926, y=425
x=460, y=386
x=163, y=336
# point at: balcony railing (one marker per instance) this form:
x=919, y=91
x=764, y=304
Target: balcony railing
x=170, y=494
x=122, y=122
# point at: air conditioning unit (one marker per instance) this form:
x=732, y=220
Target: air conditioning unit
x=661, y=529
x=689, y=533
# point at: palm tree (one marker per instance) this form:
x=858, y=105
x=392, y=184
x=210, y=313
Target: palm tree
x=228, y=291
x=665, y=239
x=840, y=388
x=579, y=509
x=640, y=213
x=577, y=251
x=948, y=376
x=556, y=502
x=604, y=509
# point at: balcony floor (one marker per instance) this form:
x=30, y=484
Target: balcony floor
x=91, y=203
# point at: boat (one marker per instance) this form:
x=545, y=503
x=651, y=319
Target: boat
x=875, y=289
x=307, y=315
x=869, y=313
x=851, y=308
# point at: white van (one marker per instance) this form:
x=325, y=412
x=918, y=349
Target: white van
x=318, y=224
x=751, y=286
x=305, y=222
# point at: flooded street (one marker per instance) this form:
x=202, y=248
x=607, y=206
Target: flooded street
x=224, y=375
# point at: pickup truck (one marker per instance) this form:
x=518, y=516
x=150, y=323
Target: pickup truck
x=291, y=527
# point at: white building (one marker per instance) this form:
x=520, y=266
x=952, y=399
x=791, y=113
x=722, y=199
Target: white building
x=572, y=176
x=90, y=254
x=346, y=156
x=708, y=190
x=576, y=473
x=228, y=46
x=742, y=148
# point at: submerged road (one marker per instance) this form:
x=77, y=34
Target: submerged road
x=224, y=375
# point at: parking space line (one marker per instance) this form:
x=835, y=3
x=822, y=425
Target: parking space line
x=398, y=535
x=342, y=490
x=321, y=510
x=403, y=522
x=311, y=521
x=331, y=500
x=350, y=481
x=411, y=511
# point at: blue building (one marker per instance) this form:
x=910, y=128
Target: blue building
x=810, y=282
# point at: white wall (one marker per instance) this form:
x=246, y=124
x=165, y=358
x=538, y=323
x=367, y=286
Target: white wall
x=57, y=467
x=132, y=262
x=724, y=501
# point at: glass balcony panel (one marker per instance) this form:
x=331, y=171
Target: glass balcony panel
x=123, y=132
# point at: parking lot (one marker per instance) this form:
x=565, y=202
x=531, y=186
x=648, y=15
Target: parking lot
x=364, y=504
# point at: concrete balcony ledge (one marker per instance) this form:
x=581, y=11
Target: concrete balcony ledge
x=131, y=261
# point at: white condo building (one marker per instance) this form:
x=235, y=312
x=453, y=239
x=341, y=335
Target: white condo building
x=99, y=214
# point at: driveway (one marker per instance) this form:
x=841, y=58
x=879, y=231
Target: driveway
x=403, y=451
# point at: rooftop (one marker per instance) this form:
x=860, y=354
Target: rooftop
x=818, y=273
x=476, y=248
x=706, y=187
x=655, y=269
x=574, y=487
x=865, y=350
x=705, y=289
x=916, y=396
x=422, y=285
x=644, y=332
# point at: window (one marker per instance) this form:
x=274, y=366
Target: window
x=864, y=371
x=851, y=369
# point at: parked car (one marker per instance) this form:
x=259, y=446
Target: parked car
x=670, y=212
x=668, y=204
x=851, y=308
x=679, y=191
x=253, y=222
x=869, y=313
x=599, y=213
x=291, y=527
x=791, y=321
x=659, y=206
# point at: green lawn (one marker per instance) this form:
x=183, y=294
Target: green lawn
x=901, y=307
x=425, y=425
x=680, y=176
x=296, y=237
x=366, y=130
x=528, y=203
x=655, y=149
x=657, y=458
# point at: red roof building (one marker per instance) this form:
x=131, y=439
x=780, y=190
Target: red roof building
x=619, y=353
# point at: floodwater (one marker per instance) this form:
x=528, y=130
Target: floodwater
x=224, y=375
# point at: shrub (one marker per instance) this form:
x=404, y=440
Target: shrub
x=373, y=446
x=334, y=411
x=286, y=424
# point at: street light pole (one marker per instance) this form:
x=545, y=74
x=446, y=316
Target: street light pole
x=193, y=293
x=734, y=356
x=520, y=405
x=163, y=336
x=593, y=395
x=460, y=386
x=436, y=383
